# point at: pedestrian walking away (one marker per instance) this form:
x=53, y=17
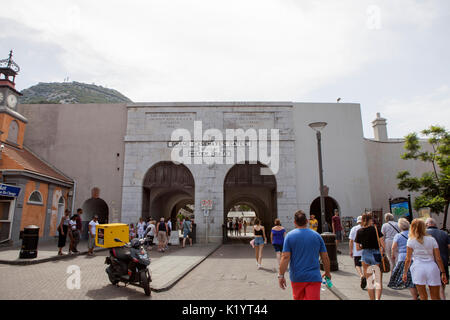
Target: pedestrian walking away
x=161, y=231
x=372, y=249
x=301, y=250
x=150, y=233
x=390, y=230
x=355, y=254
x=337, y=228
x=427, y=268
x=187, y=231
x=399, y=250
x=79, y=221
x=92, y=232
x=260, y=240
x=63, y=229
x=443, y=240
x=277, y=239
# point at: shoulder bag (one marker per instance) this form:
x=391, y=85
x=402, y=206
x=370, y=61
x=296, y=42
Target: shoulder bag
x=385, y=266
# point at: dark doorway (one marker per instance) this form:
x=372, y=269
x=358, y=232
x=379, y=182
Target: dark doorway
x=245, y=185
x=330, y=206
x=168, y=188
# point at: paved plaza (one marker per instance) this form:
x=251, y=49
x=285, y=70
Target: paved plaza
x=217, y=272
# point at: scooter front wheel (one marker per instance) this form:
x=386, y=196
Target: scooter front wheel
x=145, y=283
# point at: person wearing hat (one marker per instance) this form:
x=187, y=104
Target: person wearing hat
x=92, y=232
x=356, y=254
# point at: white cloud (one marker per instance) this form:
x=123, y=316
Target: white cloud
x=419, y=112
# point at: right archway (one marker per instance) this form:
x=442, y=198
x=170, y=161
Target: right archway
x=244, y=184
x=330, y=205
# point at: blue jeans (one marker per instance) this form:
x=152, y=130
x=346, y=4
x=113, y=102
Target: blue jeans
x=371, y=256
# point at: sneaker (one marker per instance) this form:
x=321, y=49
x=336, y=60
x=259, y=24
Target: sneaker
x=259, y=266
x=363, y=283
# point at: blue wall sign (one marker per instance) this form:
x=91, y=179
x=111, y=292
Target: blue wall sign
x=9, y=191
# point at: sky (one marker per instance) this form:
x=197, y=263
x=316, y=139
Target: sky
x=390, y=56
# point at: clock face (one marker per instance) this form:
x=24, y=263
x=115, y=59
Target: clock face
x=11, y=101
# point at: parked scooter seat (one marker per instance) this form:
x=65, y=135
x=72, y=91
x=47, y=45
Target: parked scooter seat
x=123, y=254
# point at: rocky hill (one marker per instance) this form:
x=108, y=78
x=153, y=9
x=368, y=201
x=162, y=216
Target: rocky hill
x=70, y=92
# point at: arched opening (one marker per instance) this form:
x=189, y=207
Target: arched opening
x=330, y=206
x=95, y=206
x=168, y=189
x=61, y=208
x=245, y=185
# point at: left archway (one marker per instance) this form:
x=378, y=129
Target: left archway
x=166, y=188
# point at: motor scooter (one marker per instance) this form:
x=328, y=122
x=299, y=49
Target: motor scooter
x=129, y=264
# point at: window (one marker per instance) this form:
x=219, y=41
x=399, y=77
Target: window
x=13, y=131
x=61, y=201
x=35, y=198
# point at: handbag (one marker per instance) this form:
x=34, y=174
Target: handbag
x=385, y=265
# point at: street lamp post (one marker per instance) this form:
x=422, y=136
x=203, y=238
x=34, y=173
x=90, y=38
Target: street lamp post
x=329, y=238
x=318, y=126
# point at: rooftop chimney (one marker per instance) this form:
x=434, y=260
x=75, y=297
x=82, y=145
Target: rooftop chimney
x=379, y=128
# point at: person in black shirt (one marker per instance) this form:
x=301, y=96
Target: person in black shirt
x=366, y=240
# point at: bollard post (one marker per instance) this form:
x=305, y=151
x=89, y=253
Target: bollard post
x=330, y=243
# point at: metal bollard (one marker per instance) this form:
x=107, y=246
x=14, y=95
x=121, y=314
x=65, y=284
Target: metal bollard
x=330, y=243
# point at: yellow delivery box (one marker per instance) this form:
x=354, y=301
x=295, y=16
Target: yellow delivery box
x=106, y=233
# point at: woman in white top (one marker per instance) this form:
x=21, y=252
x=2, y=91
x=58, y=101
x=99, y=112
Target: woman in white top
x=424, y=250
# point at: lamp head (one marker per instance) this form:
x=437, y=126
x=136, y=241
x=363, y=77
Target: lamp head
x=318, y=126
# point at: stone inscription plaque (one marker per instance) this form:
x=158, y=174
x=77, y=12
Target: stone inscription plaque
x=247, y=120
x=166, y=122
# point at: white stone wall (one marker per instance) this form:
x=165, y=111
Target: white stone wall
x=345, y=169
x=143, y=149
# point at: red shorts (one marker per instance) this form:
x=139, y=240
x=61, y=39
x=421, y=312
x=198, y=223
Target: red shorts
x=306, y=290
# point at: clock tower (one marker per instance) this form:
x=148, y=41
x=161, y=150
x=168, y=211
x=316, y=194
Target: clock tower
x=8, y=93
x=12, y=123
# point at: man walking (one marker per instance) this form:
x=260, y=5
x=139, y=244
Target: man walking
x=301, y=250
x=79, y=223
x=337, y=228
x=161, y=231
x=443, y=240
x=356, y=254
x=92, y=232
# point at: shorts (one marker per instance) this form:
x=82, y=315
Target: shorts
x=259, y=241
x=425, y=273
x=306, y=290
x=162, y=237
x=357, y=261
x=186, y=234
x=91, y=242
x=371, y=256
x=278, y=247
x=339, y=235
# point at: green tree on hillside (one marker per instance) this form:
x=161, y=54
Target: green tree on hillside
x=434, y=185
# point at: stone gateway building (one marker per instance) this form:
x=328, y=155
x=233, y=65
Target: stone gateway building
x=127, y=152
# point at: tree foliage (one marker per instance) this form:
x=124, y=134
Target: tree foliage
x=434, y=185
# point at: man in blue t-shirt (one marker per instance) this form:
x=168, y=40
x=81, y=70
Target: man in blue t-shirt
x=302, y=248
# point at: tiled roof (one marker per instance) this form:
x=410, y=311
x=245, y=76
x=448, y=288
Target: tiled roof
x=26, y=160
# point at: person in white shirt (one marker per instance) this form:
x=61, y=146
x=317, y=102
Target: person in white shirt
x=424, y=250
x=390, y=229
x=356, y=254
x=140, y=228
x=92, y=232
x=150, y=232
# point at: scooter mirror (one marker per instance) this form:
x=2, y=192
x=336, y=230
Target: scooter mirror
x=117, y=240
